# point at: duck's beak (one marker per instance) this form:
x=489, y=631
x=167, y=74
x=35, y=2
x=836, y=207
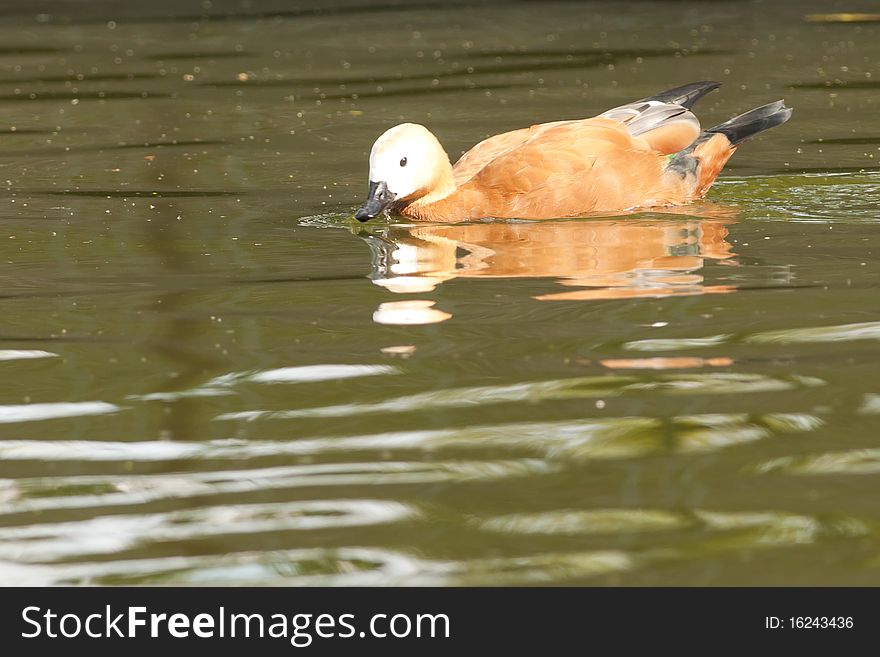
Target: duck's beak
x=378, y=200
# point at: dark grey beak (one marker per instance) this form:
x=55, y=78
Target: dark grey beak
x=378, y=200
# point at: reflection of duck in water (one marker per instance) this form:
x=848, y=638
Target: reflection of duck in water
x=645, y=154
x=612, y=259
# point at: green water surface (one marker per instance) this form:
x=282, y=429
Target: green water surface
x=210, y=374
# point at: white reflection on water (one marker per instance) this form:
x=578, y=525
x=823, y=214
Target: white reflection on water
x=585, y=387
x=699, y=534
x=726, y=383
x=605, y=438
x=112, y=534
x=775, y=528
x=52, y=410
x=303, y=374
x=92, y=491
x=344, y=566
x=717, y=529
x=852, y=462
x=871, y=404
x=348, y=566
x=412, y=312
x=591, y=521
x=838, y=333
x=25, y=354
x=674, y=344
x=221, y=385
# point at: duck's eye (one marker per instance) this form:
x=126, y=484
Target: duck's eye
x=403, y=161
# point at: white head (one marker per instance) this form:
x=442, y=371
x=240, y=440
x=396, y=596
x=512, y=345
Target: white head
x=406, y=163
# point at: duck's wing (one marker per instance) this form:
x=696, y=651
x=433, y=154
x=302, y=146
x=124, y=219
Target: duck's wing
x=569, y=169
x=484, y=152
x=664, y=120
x=666, y=127
x=487, y=150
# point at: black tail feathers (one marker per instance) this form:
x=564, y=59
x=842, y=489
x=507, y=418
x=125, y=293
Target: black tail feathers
x=741, y=127
x=687, y=94
x=737, y=130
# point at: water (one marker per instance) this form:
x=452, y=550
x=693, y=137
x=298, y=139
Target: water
x=213, y=375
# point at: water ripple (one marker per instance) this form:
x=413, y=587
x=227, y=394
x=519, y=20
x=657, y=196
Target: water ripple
x=620, y=437
x=349, y=566
x=595, y=521
x=592, y=386
x=345, y=566
x=25, y=354
x=836, y=333
x=303, y=374
x=673, y=344
x=700, y=533
x=97, y=491
x=220, y=386
x=726, y=383
x=852, y=462
x=871, y=404
x=113, y=534
x=53, y=410
x=588, y=387
x=719, y=530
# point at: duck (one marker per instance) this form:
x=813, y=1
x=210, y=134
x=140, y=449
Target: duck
x=645, y=154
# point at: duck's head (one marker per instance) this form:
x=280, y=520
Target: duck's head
x=406, y=163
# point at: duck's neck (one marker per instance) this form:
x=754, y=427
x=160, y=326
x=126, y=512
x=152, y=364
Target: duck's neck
x=444, y=186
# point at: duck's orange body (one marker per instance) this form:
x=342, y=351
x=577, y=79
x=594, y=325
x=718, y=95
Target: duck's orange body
x=648, y=153
x=564, y=170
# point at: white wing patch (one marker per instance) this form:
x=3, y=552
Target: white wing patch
x=646, y=115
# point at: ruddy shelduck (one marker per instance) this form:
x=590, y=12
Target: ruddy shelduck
x=645, y=154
